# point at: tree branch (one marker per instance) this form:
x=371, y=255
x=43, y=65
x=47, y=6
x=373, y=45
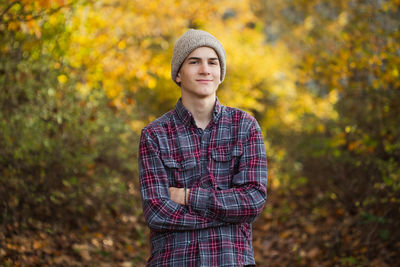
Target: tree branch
x=8, y=8
x=23, y=17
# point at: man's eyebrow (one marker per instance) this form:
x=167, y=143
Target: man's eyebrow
x=198, y=58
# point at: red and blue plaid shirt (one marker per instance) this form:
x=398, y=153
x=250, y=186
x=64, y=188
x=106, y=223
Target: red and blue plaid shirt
x=225, y=168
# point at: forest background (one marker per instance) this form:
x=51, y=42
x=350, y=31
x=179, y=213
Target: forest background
x=80, y=78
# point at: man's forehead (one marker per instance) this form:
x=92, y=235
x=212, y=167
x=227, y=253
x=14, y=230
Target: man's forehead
x=203, y=52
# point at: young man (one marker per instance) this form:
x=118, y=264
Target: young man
x=203, y=169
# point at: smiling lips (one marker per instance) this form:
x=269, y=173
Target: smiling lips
x=203, y=81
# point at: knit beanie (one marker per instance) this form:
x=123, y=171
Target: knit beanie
x=191, y=40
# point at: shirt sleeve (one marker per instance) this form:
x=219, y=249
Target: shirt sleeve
x=161, y=213
x=244, y=201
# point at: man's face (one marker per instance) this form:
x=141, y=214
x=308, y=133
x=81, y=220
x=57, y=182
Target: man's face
x=200, y=73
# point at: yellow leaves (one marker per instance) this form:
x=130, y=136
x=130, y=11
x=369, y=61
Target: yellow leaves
x=275, y=183
x=392, y=5
x=133, y=54
x=153, y=5
x=137, y=125
x=28, y=16
x=29, y=27
x=83, y=88
x=320, y=107
x=62, y=79
x=375, y=60
x=309, y=23
x=251, y=65
x=376, y=84
x=151, y=83
x=112, y=88
x=395, y=72
x=333, y=97
x=121, y=45
x=343, y=19
x=13, y=26
x=102, y=38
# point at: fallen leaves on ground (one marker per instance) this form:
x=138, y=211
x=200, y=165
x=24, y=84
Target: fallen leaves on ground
x=284, y=235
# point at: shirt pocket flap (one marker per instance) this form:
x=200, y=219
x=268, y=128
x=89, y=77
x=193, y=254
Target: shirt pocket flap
x=170, y=162
x=220, y=155
x=160, y=240
x=226, y=154
x=186, y=164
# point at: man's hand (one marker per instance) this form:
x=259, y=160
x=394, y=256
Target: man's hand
x=178, y=195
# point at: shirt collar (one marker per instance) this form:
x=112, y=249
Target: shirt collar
x=187, y=118
x=217, y=111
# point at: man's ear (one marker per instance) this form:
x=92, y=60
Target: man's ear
x=178, y=77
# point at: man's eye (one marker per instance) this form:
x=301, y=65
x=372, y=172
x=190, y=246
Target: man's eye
x=192, y=62
x=213, y=63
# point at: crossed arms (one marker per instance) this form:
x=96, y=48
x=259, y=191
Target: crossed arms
x=164, y=207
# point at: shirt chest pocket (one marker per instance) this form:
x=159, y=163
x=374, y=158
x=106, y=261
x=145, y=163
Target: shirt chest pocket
x=180, y=173
x=224, y=164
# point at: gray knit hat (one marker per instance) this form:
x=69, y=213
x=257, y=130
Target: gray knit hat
x=191, y=40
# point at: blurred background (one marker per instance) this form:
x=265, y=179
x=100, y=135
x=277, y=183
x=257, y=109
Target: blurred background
x=79, y=79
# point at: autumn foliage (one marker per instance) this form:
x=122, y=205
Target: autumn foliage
x=80, y=78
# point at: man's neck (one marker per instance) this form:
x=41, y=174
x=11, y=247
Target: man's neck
x=201, y=109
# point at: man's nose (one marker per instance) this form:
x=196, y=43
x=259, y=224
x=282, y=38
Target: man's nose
x=204, y=68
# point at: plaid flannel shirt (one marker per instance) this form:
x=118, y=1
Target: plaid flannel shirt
x=225, y=168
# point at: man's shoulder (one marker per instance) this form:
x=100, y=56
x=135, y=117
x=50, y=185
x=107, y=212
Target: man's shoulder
x=238, y=115
x=160, y=124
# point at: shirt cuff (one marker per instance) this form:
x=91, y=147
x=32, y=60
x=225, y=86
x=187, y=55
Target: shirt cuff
x=198, y=200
